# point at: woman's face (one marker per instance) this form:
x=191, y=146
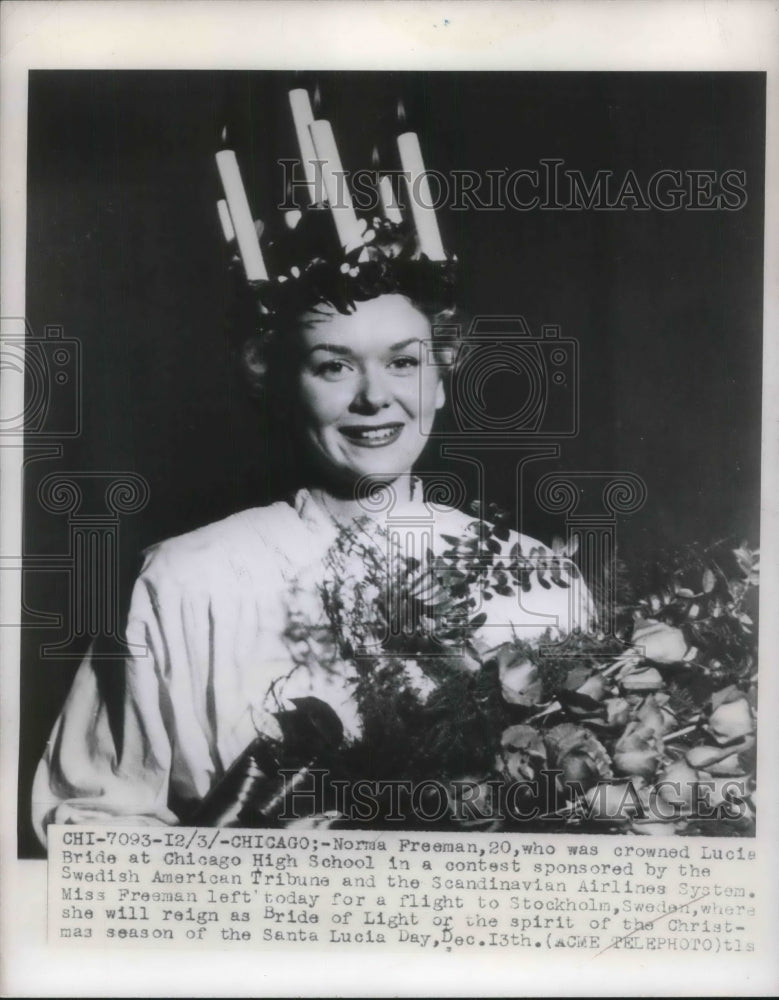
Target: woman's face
x=367, y=390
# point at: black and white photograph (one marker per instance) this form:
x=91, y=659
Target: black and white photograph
x=389, y=447
x=337, y=434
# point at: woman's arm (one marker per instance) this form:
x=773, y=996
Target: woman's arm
x=205, y=641
x=111, y=763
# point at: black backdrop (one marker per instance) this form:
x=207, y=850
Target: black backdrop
x=124, y=252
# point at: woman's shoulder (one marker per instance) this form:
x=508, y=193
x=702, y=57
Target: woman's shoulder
x=239, y=543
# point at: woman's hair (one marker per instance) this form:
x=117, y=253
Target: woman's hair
x=266, y=316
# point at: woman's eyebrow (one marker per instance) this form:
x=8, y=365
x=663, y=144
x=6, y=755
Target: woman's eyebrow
x=405, y=343
x=334, y=348
x=346, y=351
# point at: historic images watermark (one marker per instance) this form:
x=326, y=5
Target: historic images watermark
x=91, y=502
x=548, y=186
x=546, y=796
x=51, y=367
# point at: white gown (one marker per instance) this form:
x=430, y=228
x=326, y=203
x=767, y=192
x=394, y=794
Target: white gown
x=209, y=660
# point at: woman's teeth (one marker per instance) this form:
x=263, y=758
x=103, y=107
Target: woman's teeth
x=377, y=435
x=372, y=435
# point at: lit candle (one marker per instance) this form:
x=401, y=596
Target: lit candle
x=388, y=203
x=346, y=223
x=421, y=206
x=303, y=116
x=225, y=220
x=241, y=216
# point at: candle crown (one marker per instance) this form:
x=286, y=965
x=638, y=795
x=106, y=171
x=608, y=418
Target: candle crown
x=325, y=251
x=307, y=275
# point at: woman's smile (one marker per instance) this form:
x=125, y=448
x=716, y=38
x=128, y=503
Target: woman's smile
x=372, y=436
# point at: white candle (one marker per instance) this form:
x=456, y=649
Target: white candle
x=388, y=203
x=421, y=206
x=225, y=220
x=241, y=216
x=346, y=223
x=303, y=116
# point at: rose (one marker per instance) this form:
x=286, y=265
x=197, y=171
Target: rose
x=521, y=685
x=677, y=786
x=660, y=642
x=731, y=718
x=634, y=678
x=655, y=715
x=580, y=770
x=473, y=802
x=616, y=802
x=617, y=712
x=522, y=753
x=637, y=751
x=718, y=761
x=594, y=687
x=519, y=680
x=582, y=759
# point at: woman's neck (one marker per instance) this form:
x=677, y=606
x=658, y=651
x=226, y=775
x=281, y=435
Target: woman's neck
x=343, y=506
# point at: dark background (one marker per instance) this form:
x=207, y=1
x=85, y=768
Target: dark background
x=125, y=253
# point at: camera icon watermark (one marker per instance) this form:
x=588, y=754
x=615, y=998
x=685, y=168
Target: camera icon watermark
x=42, y=379
x=506, y=382
x=592, y=502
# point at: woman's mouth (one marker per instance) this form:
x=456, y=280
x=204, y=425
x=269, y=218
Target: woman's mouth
x=372, y=436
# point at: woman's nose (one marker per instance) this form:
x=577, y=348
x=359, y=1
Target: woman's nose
x=373, y=392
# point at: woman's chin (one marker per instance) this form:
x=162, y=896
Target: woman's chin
x=360, y=478
x=376, y=474
x=376, y=464
x=340, y=474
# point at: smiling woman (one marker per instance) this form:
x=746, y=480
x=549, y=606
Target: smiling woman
x=368, y=395
x=212, y=658
x=350, y=353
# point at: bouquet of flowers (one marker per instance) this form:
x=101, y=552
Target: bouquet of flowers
x=649, y=729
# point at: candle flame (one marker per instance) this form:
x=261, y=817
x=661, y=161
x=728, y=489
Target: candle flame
x=401, y=112
x=223, y=136
x=316, y=100
x=375, y=157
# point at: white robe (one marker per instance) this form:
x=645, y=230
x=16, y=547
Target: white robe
x=209, y=661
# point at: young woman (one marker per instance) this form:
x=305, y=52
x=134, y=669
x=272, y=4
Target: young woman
x=346, y=355
x=209, y=660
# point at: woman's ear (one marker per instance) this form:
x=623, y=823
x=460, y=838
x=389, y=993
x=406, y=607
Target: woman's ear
x=440, y=394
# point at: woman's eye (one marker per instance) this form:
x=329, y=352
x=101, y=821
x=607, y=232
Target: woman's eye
x=405, y=362
x=332, y=369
